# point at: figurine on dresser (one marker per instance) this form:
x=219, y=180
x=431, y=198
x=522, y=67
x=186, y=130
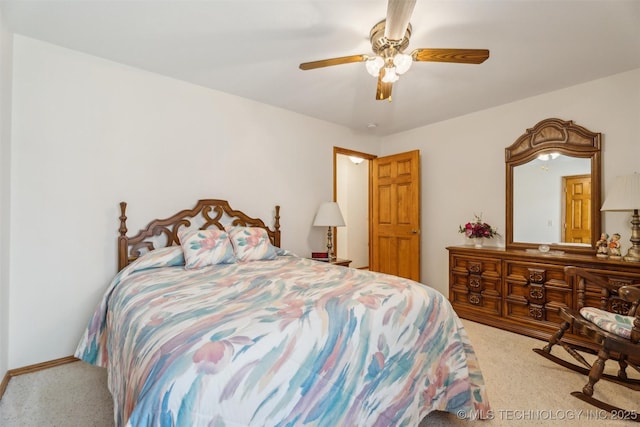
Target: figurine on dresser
x=602, y=246
x=614, y=247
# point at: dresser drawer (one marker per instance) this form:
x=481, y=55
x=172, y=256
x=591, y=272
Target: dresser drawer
x=534, y=293
x=475, y=285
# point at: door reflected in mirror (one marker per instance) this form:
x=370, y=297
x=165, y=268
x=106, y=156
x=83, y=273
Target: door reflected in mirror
x=552, y=200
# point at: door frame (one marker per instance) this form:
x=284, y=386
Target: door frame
x=363, y=155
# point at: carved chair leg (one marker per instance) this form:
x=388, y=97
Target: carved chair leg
x=596, y=371
x=622, y=373
x=575, y=354
x=555, y=338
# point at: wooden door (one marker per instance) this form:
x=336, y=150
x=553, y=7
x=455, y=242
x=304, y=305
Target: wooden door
x=395, y=216
x=577, y=222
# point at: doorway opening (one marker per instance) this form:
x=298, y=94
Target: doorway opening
x=352, y=192
x=381, y=208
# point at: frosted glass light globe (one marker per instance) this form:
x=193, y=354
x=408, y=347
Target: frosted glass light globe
x=402, y=62
x=373, y=65
x=390, y=75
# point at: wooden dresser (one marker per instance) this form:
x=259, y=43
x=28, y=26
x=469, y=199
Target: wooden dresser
x=521, y=291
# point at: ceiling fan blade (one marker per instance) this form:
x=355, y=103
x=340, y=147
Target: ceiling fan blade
x=398, y=16
x=383, y=90
x=333, y=61
x=464, y=56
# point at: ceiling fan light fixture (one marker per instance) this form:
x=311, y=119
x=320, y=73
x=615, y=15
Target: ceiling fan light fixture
x=374, y=65
x=549, y=156
x=390, y=75
x=403, y=62
x=389, y=40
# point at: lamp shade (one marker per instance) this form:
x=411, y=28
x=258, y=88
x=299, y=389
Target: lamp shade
x=624, y=195
x=329, y=215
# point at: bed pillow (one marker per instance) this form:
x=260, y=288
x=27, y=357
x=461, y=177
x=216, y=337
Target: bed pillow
x=251, y=244
x=206, y=247
x=170, y=256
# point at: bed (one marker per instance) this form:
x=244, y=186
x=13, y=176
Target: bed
x=210, y=323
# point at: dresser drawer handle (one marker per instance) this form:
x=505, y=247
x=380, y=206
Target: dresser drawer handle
x=475, y=299
x=537, y=276
x=475, y=282
x=475, y=267
x=536, y=312
x=536, y=293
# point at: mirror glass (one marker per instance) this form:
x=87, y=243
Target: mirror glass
x=540, y=201
x=553, y=193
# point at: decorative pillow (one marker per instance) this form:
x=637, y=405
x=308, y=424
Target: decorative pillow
x=611, y=322
x=251, y=243
x=206, y=247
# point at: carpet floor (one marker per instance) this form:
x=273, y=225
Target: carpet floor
x=524, y=389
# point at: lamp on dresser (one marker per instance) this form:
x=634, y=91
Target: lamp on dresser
x=625, y=196
x=329, y=215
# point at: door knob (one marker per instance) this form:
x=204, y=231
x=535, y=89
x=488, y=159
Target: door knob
x=414, y=231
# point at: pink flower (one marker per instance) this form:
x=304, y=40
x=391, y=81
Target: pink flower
x=478, y=229
x=253, y=240
x=209, y=242
x=371, y=301
x=292, y=309
x=213, y=356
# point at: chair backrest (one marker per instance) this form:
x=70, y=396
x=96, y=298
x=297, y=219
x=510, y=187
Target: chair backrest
x=631, y=293
x=613, y=297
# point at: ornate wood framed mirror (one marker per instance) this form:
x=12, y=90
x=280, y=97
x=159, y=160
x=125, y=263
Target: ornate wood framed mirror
x=553, y=194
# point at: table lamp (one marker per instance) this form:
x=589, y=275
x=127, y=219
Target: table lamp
x=624, y=195
x=329, y=215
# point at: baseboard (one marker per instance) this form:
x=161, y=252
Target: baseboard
x=4, y=384
x=33, y=368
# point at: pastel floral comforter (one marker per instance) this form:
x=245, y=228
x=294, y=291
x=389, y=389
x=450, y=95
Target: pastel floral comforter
x=287, y=342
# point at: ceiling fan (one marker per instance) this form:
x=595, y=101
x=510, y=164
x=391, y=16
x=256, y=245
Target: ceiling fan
x=389, y=38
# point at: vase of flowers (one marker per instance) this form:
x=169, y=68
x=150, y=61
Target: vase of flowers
x=478, y=231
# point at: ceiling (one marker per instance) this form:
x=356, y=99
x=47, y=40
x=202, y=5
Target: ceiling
x=252, y=48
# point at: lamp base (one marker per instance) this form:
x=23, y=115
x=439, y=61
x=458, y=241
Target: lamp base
x=330, y=253
x=633, y=254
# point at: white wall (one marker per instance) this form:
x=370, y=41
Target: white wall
x=463, y=169
x=6, y=40
x=89, y=133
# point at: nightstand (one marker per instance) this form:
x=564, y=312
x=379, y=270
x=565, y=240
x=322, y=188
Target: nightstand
x=342, y=262
x=337, y=261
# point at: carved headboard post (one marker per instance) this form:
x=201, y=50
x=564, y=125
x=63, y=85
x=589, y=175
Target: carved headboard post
x=276, y=226
x=123, y=241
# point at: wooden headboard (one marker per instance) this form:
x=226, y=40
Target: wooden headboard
x=161, y=233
